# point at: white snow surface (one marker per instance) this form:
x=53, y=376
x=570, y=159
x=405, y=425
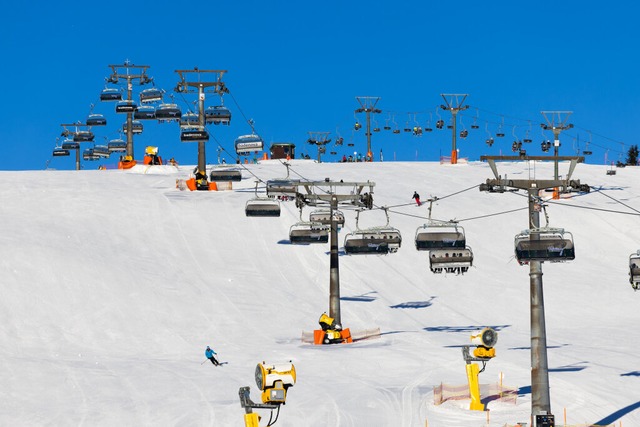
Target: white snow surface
x=114, y=282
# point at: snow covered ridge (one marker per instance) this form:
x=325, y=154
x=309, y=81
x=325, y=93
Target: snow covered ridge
x=114, y=282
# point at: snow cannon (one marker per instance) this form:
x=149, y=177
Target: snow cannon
x=331, y=332
x=274, y=380
x=485, y=340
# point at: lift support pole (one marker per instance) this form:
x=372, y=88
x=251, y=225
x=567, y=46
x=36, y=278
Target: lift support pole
x=334, y=267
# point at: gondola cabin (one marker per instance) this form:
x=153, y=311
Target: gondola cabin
x=126, y=106
x=194, y=135
x=110, y=94
x=225, y=174
x=117, y=146
x=60, y=152
x=168, y=112
x=450, y=260
x=69, y=144
x=262, y=206
x=303, y=233
x=439, y=236
x=217, y=114
x=83, y=136
x=150, y=95
x=282, y=150
x=634, y=270
x=553, y=245
x=372, y=241
x=145, y=112
x=96, y=120
x=247, y=144
x=323, y=216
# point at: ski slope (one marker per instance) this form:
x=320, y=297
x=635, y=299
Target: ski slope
x=114, y=282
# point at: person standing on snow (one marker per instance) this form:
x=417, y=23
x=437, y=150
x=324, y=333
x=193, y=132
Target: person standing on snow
x=209, y=353
x=416, y=196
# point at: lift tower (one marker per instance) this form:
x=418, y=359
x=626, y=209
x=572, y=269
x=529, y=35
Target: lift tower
x=320, y=139
x=556, y=121
x=368, y=106
x=214, y=85
x=129, y=72
x=454, y=103
x=540, y=398
x=78, y=136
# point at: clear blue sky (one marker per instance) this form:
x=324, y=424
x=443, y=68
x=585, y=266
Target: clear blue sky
x=295, y=67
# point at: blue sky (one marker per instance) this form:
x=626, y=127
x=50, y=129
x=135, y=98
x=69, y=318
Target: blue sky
x=298, y=67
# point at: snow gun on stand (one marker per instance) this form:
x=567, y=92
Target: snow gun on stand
x=331, y=333
x=273, y=380
x=484, y=341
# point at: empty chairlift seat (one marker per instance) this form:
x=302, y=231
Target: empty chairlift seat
x=150, y=95
x=110, y=94
x=439, y=236
x=126, y=106
x=60, y=152
x=544, y=244
x=145, y=112
x=96, y=120
x=225, y=174
x=262, y=206
x=309, y=233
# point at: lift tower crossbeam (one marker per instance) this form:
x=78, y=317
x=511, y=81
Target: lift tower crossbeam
x=540, y=397
x=199, y=86
x=129, y=72
x=368, y=106
x=328, y=194
x=454, y=103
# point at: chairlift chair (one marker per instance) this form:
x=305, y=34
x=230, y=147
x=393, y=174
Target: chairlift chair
x=262, y=206
x=101, y=151
x=69, y=144
x=110, y=94
x=189, y=120
x=307, y=232
x=60, y=152
x=225, y=174
x=88, y=154
x=168, y=112
x=634, y=270
x=194, y=134
x=217, y=114
x=245, y=144
x=126, y=106
x=136, y=127
x=117, y=146
x=145, y=112
x=450, y=260
x=373, y=240
x=150, y=95
x=544, y=244
x=83, y=136
x=96, y=120
x=440, y=235
x=323, y=216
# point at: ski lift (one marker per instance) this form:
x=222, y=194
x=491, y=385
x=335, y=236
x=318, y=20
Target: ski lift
x=60, y=152
x=452, y=260
x=168, y=112
x=306, y=232
x=225, y=174
x=110, y=94
x=545, y=145
x=634, y=270
x=189, y=120
x=150, y=95
x=88, y=154
x=145, y=112
x=262, y=206
x=464, y=133
x=440, y=235
x=217, y=114
x=544, y=244
x=323, y=216
x=69, y=144
x=386, y=123
x=474, y=125
x=373, y=240
x=96, y=120
x=586, y=150
x=245, y=144
x=407, y=126
x=101, y=151
x=611, y=170
x=194, y=134
x=136, y=127
x=117, y=146
x=500, y=132
x=126, y=106
x=83, y=136
x=527, y=139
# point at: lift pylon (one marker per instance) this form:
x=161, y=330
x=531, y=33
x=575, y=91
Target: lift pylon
x=453, y=103
x=368, y=106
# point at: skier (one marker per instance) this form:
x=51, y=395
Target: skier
x=416, y=196
x=209, y=353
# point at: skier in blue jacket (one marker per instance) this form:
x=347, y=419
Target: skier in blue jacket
x=209, y=353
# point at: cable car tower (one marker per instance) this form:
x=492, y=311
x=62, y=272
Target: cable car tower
x=129, y=72
x=534, y=252
x=368, y=106
x=215, y=85
x=320, y=139
x=323, y=193
x=556, y=123
x=454, y=103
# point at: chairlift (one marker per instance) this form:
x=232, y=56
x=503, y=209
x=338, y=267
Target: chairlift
x=373, y=240
x=451, y=260
x=611, y=170
x=88, y=154
x=145, y=112
x=60, y=152
x=217, y=114
x=323, y=216
x=225, y=174
x=69, y=144
x=110, y=94
x=96, y=120
x=544, y=244
x=440, y=235
x=262, y=206
x=194, y=135
x=117, y=146
x=83, y=136
x=634, y=270
x=306, y=232
x=168, y=112
x=189, y=120
x=150, y=95
x=136, y=127
x=545, y=145
x=101, y=151
x=245, y=144
x=126, y=106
